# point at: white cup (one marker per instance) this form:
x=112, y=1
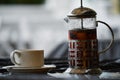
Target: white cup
x=27, y=58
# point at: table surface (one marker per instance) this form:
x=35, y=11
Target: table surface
x=57, y=76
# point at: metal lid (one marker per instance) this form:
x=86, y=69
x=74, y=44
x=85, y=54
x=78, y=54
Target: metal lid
x=82, y=12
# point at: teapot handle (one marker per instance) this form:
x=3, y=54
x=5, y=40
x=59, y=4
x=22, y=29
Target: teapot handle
x=112, y=40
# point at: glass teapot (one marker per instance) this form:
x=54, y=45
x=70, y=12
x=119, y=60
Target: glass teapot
x=83, y=44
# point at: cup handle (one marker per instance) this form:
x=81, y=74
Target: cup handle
x=12, y=57
x=112, y=40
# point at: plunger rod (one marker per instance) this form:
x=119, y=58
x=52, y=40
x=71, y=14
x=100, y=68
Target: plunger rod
x=81, y=4
x=82, y=18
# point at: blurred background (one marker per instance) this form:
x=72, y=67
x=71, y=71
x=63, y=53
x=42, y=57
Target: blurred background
x=39, y=24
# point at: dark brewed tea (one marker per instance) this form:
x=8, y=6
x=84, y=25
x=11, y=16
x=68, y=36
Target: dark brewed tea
x=83, y=48
x=82, y=34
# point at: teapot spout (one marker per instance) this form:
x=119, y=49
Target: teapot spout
x=66, y=20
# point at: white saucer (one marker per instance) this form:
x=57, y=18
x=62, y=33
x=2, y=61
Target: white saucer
x=43, y=69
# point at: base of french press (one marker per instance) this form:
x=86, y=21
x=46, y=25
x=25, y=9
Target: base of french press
x=95, y=71
x=75, y=71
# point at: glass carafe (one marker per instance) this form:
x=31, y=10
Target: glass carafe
x=83, y=43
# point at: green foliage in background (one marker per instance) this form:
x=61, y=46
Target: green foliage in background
x=22, y=1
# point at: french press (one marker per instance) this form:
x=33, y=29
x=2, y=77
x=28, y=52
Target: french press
x=83, y=53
